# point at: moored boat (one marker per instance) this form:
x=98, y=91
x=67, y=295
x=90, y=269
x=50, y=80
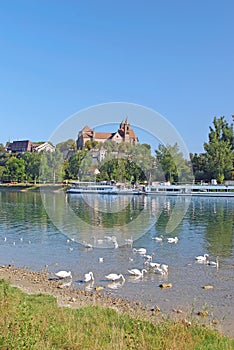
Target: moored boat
x=191, y=190
x=92, y=187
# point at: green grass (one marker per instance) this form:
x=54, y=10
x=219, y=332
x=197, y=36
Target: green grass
x=36, y=322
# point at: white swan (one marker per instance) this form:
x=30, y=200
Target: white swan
x=172, y=240
x=140, y=251
x=87, y=245
x=152, y=264
x=63, y=274
x=148, y=257
x=214, y=263
x=202, y=258
x=88, y=277
x=114, y=277
x=162, y=270
x=136, y=272
x=158, y=239
x=116, y=246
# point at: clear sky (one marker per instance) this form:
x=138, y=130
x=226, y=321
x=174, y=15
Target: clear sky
x=61, y=56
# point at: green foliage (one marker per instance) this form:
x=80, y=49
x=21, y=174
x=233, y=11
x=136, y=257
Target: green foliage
x=126, y=162
x=36, y=322
x=32, y=163
x=173, y=164
x=199, y=166
x=66, y=145
x=78, y=165
x=14, y=170
x=55, y=165
x=219, y=150
x=91, y=145
x=2, y=148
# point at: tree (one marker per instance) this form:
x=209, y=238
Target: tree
x=173, y=164
x=78, y=164
x=199, y=166
x=32, y=165
x=66, y=145
x=55, y=164
x=2, y=148
x=91, y=144
x=219, y=150
x=14, y=170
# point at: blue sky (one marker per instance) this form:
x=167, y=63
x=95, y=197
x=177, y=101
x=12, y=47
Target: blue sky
x=59, y=57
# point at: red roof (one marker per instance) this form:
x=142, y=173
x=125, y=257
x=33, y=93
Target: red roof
x=103, y=135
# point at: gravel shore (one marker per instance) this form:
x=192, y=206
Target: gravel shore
x=39, y=282
x=32, y=282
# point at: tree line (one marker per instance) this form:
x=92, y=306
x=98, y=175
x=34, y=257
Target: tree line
x=124, y=162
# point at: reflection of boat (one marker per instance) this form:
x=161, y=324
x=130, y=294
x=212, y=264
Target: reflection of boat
x=100, y=188
x=191, y=190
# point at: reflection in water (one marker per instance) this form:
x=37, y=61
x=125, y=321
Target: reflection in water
x=215, y=216
x=115, y=285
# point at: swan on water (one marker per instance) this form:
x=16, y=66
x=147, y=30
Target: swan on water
x=63, y=274
x=114, y=277
x=140, y=251
x=202, y=258
x=148, y=257
x=172, y=240
x=158, y=239
x=87, y=245
x=116, y=246
x=151, y=264
x=88, y=277
x=214, y=263
x=136, y=272
x=162, y=270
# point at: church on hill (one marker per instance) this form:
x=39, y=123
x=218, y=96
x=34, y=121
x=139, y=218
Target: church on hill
x=123, y=134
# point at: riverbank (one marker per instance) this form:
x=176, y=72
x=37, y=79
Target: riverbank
x=90, y=319
x=41, y=282
x=26, y=187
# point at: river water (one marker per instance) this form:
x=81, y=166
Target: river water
x=55, y=229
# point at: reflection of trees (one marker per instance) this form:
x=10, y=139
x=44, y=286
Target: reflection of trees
x=172, y=212
x=101, y=212
x=23, y=208
x=215, y=215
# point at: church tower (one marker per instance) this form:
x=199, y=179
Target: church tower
x=126, y=130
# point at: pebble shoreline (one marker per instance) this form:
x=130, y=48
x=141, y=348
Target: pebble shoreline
x=39, y=282
x=32, y=282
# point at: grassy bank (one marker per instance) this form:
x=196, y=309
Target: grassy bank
x=36, y=322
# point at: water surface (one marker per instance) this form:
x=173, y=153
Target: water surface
x=34, y=236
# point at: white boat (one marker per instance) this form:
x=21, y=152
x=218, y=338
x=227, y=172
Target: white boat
x=92, y=187
x=191, y=190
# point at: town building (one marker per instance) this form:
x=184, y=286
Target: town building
x=123, y=134
x=28, y=146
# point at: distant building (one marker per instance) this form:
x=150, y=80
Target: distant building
x=19, y=146
x=45, y=146
x=123, y=134
x=28, y=146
